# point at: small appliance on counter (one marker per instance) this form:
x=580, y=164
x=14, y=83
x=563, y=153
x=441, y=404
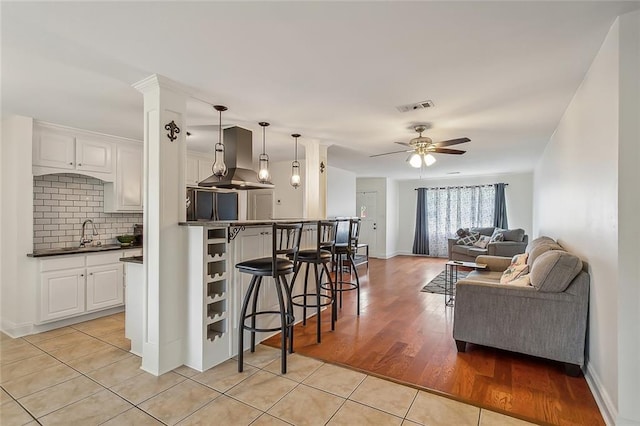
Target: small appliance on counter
x=203, y=204
x=137, y=232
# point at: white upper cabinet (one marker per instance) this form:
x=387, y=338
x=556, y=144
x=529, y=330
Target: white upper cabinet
x=54, y=149
x=126, y=193
x=191, y=171
x=94, y=155
x=58, y=149
x=197, y=169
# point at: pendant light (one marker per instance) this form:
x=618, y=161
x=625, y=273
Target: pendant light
x=219, y=169
x=295, y=166
x=263, y=160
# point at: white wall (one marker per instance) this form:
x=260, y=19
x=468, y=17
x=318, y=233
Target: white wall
x=586, y=196
x=288, y=201
x=629, y=235
x=341, y=192
x=17, y=271
x=519, y=196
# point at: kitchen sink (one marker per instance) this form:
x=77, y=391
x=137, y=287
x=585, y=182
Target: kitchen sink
x=64, y=250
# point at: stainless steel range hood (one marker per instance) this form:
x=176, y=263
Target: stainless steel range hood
x=239, y=160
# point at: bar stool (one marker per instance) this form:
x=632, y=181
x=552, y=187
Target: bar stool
x=344, y=249
x=319, y=257
x=285, y=241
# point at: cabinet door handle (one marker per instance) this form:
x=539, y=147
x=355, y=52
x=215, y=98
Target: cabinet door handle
x=79, y=164
x=82, y=275
x=91, y=273
x=71, y=163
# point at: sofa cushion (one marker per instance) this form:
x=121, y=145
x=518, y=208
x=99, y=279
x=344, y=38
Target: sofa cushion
x=521, y=281
x=468, y=240
x=539, y=241
x=554, y=270
x=483, y=276
x=482, y=242
x=484, y=231
x=541, y=249
x=513, y=272
x=516, y=235
x=468, y=250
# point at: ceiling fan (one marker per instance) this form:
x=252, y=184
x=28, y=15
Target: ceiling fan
x=422, y=148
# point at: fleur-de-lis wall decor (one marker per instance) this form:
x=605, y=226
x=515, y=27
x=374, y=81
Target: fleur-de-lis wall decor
x=173, y=129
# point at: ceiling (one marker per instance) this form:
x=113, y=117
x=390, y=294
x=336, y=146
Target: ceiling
x=500, y=73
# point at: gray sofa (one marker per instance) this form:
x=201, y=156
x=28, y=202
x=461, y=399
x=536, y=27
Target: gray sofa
x=515, y=242
x=547, y=319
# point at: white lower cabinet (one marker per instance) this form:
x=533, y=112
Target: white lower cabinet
x=73, y=285
x=61, y=294
x=104, y=286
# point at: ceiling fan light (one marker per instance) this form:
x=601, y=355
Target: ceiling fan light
x=429, y=159
x=415, y=161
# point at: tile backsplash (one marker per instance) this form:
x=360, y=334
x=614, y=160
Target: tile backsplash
x=61, y=202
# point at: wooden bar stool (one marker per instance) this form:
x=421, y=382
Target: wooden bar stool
x=319, y=257
x=285, y=242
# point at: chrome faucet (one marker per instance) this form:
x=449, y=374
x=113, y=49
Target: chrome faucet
x=84, y=240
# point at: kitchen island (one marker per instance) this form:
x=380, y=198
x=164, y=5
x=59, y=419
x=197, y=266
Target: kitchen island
x=133, y=299
x=215, y=288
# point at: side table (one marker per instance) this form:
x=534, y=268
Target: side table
x=451, y=277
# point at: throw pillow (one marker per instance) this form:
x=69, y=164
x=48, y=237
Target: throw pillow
x=482, y=242
x=520, y=259
x=497, y=235
x=513, y=272
x=463, y=232
x=523, y=281
x=468, y=240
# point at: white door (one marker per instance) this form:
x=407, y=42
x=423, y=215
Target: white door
x=105, y=286
x=366, y=205
x=61, y=294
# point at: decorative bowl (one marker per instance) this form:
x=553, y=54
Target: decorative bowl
x=125, y=240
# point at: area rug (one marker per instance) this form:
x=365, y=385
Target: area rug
x=436, y=285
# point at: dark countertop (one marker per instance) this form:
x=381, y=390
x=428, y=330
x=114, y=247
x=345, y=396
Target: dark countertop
x=227, y=223
x=133, y=259
x=78, y=250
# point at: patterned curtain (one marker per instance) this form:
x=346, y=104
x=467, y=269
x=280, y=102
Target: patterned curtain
x=421, y=236
x=451, y=208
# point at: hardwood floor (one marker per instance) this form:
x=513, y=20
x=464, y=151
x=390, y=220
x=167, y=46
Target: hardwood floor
x=406, y=335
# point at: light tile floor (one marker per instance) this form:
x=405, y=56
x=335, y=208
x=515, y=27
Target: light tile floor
x=84, y=375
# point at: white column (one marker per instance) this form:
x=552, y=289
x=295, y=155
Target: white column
x=165, y=263
x=18, y=273
x=315, y=183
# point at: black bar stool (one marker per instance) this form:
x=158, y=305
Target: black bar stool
x=319, y=257
x=285, y=241
x=344, y=249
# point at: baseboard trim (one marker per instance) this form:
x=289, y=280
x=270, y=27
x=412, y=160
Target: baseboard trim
x=14, y=330
x=19, y=330
x=603, y=400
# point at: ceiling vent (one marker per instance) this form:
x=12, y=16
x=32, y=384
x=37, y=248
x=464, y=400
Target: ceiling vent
x=413, y=107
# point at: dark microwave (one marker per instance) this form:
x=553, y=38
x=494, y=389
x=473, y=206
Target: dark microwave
x=211, y=205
